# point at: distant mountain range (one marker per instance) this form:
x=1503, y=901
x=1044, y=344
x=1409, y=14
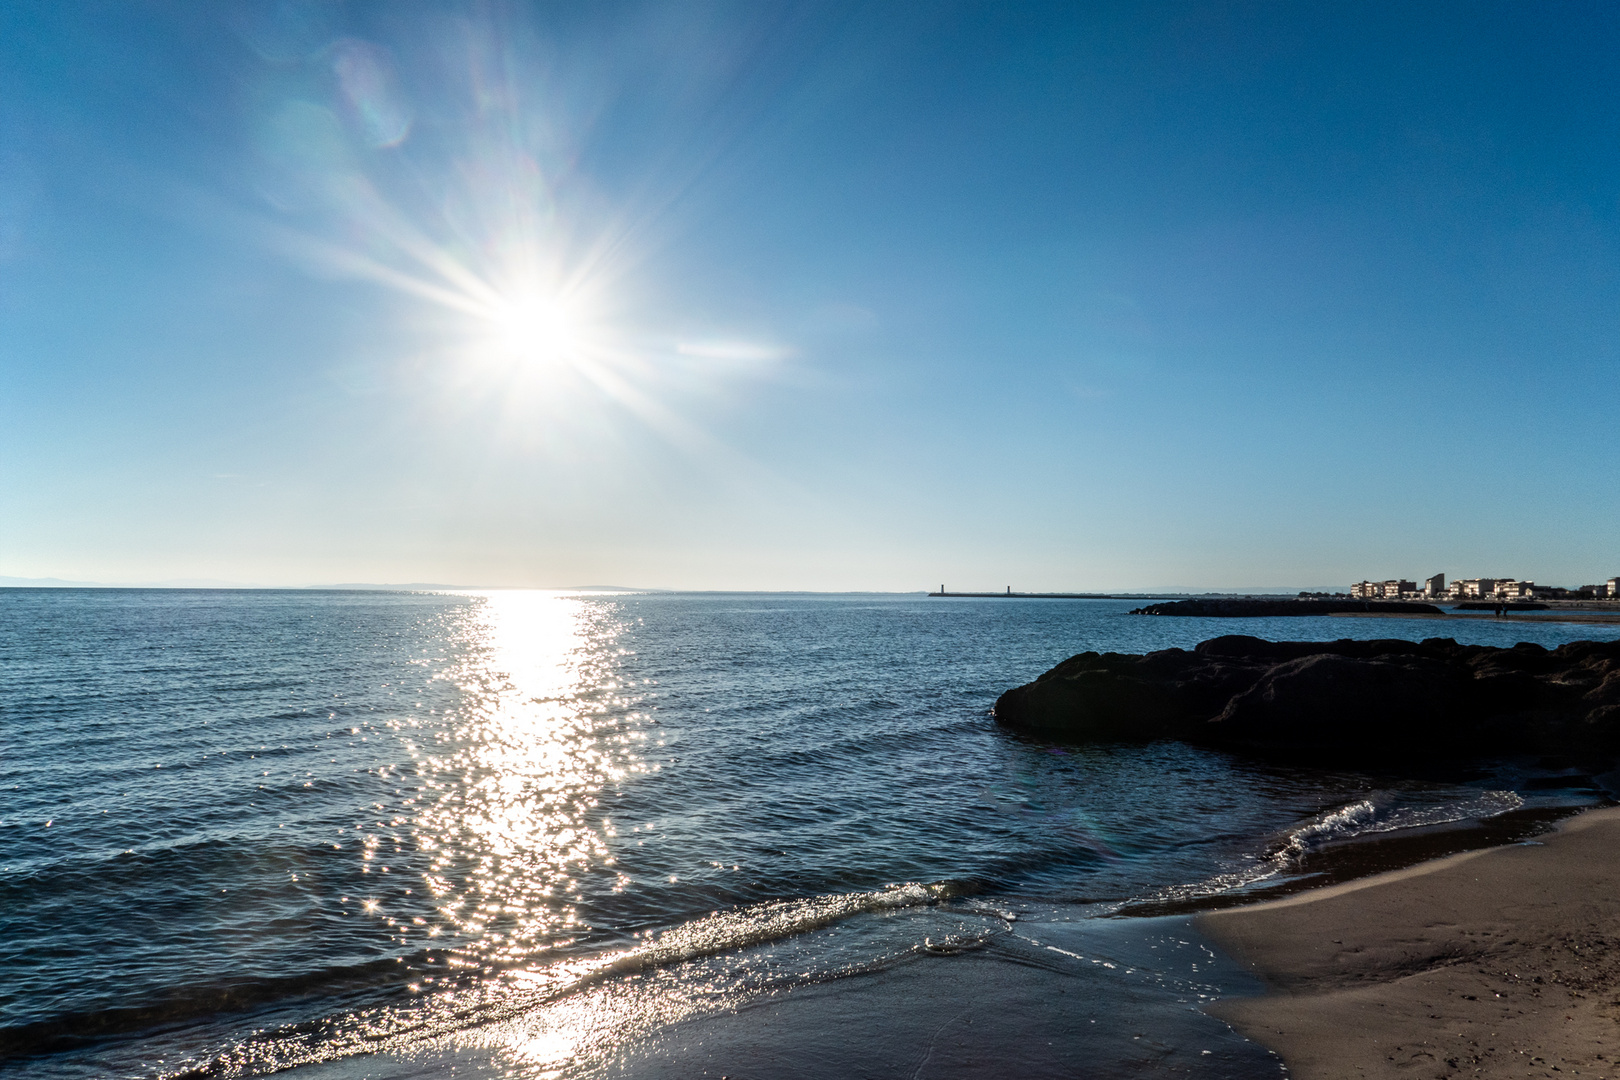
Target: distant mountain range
x=175, y=583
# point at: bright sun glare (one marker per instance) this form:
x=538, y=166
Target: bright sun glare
x=536, y=328
x=521, y=276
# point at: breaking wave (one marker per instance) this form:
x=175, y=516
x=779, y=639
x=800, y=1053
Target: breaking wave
x=1378, y=814
x=770, y=921
x=1373, y=815
x=524, y=990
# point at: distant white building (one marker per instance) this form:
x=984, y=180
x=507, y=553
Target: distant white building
x=1393, y=589
x=1435, y=588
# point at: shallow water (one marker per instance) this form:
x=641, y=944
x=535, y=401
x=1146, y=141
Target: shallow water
x=241, y=831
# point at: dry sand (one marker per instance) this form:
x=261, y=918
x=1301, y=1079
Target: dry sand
x=1504, y=962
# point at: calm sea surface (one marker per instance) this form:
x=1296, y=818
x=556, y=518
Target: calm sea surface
x=543, y=834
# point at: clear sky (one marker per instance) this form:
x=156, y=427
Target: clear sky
x=749, y=295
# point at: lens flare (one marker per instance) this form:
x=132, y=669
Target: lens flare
x=448, y=168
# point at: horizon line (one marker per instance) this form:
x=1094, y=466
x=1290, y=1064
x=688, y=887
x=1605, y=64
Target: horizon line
x=208, y=585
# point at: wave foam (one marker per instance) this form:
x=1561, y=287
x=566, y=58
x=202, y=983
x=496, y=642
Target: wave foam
x=524, y=990
x=1371, y=816
x=1366, y=817
x=770, y=921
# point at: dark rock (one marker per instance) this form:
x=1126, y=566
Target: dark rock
x=1351, y=701
x=1251, y=607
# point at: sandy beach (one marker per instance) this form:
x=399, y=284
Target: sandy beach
x=1502, y=962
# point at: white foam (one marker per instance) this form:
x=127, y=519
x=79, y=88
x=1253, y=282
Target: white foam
x=1366, y=817
x=1379, y=813
x=770, y=921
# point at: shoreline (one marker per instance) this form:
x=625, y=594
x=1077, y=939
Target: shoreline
x=1530, y=617
x=1500, y=961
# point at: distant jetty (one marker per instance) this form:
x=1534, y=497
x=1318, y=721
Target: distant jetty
x=1251, y=607
x=1010, y=595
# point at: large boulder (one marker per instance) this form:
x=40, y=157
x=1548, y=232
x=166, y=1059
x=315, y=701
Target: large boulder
x=1344, y=700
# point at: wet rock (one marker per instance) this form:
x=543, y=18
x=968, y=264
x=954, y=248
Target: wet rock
x=1350, y=701
x=1240, y=607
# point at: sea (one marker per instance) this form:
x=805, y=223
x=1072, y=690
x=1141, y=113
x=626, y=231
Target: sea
x=533, y=834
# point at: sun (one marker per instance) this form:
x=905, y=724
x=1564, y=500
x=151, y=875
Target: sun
x=534, y=327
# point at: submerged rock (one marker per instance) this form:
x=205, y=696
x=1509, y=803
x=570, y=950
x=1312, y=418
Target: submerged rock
x=1345, y=700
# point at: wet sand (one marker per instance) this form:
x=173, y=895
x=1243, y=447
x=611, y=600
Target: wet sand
x=1502, y=962
x=1055, y=996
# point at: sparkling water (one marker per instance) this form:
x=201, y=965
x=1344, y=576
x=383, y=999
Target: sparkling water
x=558, y=834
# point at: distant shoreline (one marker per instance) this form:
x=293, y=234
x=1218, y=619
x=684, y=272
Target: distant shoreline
x=1510, y=616
x=1275, y=607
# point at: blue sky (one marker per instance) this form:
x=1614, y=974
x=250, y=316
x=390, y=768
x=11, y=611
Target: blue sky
x=822, y=297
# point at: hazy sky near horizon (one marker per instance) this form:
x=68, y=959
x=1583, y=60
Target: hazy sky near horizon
x=823, y=296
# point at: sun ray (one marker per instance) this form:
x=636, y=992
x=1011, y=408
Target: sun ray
x=521, y=278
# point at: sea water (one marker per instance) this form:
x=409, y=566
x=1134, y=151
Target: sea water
x=540, y=834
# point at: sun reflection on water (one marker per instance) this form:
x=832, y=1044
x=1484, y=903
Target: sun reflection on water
x=510, y=818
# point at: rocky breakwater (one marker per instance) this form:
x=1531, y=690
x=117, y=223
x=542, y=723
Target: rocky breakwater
x=1248, y=607
x=1345, y=701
